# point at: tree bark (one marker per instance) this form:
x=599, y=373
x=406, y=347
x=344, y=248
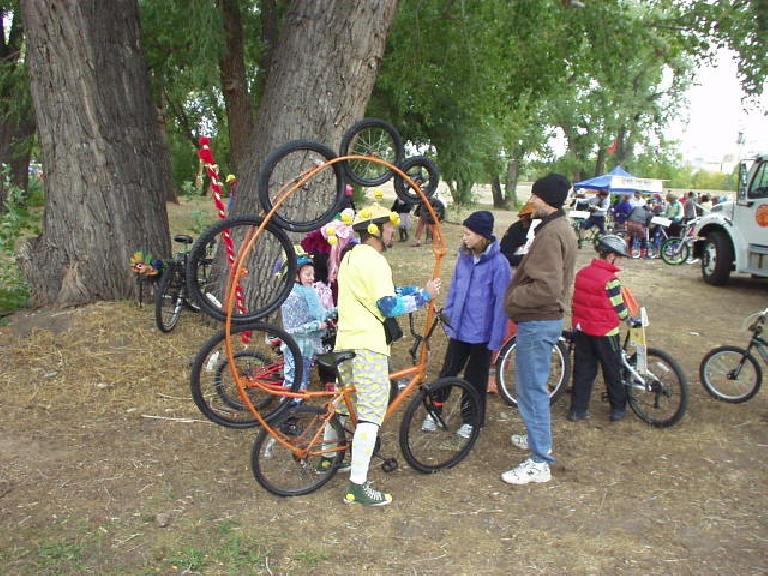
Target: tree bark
x=511, y=182
x=498, y=197
x=100, y=150
x=269, y=30
x=600, y=161
x=321, y=77
x=237, y=100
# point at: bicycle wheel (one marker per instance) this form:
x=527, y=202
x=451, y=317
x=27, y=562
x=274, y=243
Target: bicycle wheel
x=730, y=374
x=674, y=251
x=559, y=371
x=375, y=138
x=258, y=360
x=295, y=468
x=450, y=402
x=660, y=401
x=266, y=281
x=418, y=168
x=169, y=298
x=316, y=201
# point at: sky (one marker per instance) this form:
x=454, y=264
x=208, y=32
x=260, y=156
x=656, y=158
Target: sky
x=716, y=114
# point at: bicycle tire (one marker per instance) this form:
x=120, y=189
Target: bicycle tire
x=559, y=373
x=214, y=390
x=672, y=392
x=169, y=298
x=265, y=285
x=674, y=251
x=417, y=166
x=317, y=201
x=718, y=372
x=453, y=402
x=280, y=470
x=376, y=138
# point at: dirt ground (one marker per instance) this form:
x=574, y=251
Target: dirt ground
x=106, y=467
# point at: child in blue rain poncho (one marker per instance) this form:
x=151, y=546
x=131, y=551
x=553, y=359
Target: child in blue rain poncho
x=305, y=319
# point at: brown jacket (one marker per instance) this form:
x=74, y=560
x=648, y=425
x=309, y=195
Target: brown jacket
x=543, y=282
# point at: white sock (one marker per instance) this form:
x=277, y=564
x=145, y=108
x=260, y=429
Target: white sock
x=362, y=449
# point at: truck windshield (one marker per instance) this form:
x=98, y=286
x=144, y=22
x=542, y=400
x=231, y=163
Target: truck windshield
x=758, y=187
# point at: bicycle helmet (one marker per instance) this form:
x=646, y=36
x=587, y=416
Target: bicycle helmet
x=612, y=244
x=302, y=257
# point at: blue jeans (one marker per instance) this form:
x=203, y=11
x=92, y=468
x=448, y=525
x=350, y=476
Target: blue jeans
x=535, y=341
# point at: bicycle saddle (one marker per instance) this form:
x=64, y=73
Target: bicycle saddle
x=331, y=360
x=183, y=239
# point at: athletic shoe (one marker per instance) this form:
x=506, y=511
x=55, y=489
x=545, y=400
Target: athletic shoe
x=528, y=471
x=366, y=495
x=429, y=424
x=465, y=431
x=520, y=441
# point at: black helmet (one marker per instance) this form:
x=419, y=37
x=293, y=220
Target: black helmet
x=611, y=243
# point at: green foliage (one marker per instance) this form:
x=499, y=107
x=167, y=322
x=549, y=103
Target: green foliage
x=14, y=291
x=188, y=559
x=201, y=221
x=188, y=188
x=16, y=217
x=35, y=192
x=59, y=554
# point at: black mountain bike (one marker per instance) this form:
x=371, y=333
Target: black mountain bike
x=732, y=374
x=172, y=294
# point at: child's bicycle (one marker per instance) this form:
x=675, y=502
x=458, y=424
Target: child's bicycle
x=172, y=294
x=506, y=365
x=259, y=357
x=675, y=250
x=732, y=374
x=657, y=389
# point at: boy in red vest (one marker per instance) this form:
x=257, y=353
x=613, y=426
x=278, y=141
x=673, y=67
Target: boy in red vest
x=598, y=310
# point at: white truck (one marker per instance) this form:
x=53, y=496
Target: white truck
x=733, y=237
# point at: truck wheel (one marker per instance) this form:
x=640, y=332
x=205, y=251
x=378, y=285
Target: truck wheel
x=718, y=258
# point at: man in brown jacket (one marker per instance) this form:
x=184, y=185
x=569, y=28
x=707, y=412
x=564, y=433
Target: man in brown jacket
x=536, y=300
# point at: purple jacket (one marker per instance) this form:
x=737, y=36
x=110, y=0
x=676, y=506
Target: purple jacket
x=475, y=302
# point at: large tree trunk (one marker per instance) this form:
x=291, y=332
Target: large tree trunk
x=100, y=149
x=498, y=196
x=511, y=182
x=600, y=162
x=233, y=82
x=321, y=77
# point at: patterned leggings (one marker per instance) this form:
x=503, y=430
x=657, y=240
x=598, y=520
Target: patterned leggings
x=369, y=372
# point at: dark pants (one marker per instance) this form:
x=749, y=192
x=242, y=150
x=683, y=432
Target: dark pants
x=588, y=351
x=477, y=358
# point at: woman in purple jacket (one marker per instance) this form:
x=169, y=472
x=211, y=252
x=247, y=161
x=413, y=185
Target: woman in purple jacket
x=475, y=310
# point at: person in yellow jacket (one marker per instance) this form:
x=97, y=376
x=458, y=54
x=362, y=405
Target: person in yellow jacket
x=366, y=296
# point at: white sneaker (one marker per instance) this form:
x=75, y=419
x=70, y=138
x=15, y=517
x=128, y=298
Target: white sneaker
x=520, y=441
x=429, y=424
x=528, y=471
x=465, y=431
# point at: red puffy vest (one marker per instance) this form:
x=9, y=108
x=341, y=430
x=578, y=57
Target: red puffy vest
x=593, y=312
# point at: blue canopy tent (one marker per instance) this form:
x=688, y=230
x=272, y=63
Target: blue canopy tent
x=619, y=181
